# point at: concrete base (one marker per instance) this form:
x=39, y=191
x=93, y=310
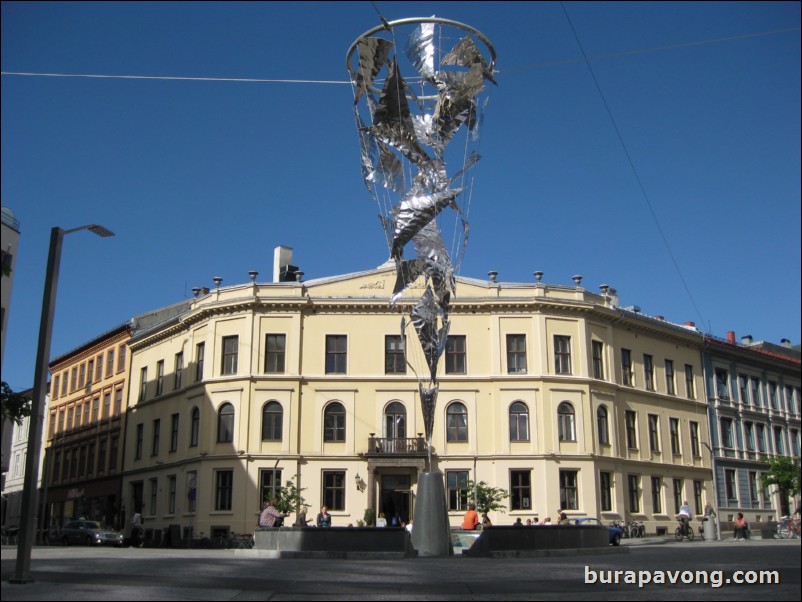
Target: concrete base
x=431, y=533
x=523, y=541
x=333, y=542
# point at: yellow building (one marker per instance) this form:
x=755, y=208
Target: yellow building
x=551, y=392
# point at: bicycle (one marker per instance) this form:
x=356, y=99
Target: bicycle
x=637, y=529
x=684, y=530
x=788, y=528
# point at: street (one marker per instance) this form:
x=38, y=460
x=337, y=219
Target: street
x=78, y=573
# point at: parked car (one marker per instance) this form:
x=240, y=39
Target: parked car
x=615, y=532
x=90, y=533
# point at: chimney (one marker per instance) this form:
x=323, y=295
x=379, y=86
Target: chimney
x=492, y=275
x=661, y=318
x=731, y=337
x=746, y=339
x=282, y=260
x=785, y=343
x=690, y=324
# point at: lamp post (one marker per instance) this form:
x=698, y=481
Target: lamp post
x=715, y=489
x=22, y=573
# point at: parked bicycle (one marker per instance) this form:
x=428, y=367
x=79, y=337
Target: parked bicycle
x=788, y=527
x=637, y=529
x=683, y=530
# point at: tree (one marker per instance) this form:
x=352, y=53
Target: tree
x=784, y=474
x=290, y=498
x=14, y=405
x=487, y=498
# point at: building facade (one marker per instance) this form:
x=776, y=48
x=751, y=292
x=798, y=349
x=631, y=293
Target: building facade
x=84, y=430
x=753, y=392
x=550, y=392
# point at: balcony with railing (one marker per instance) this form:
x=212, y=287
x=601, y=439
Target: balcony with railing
x=390, y=446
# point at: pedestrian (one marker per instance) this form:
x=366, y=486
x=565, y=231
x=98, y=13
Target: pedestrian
x=471, y=518
x=381, y=521
x=741, y=528
x=323, y=518
x=270, y=516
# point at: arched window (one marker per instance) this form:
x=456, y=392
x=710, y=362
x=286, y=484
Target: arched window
x=194, y=429
x=272, y=419
x=395, y=421
x=456, y=422
x=519, y=422
x=601, y=422
x=225, y=423
x=565, y=422
x=334, y=422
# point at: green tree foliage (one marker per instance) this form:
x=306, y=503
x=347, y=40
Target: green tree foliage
x=290, y=498
x=784, y=474
x=14, y=406
x=487, y=498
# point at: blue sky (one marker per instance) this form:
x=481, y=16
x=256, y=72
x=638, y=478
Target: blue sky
x=204, y=178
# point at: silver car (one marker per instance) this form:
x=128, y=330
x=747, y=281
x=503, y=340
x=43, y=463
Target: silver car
x=90, y=533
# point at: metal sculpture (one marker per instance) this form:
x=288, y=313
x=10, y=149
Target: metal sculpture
x=411, y=127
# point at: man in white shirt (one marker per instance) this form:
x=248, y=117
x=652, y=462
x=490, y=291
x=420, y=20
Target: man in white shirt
x=684, y=516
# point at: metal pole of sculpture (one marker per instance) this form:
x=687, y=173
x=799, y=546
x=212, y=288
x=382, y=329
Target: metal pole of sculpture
x=419, y=101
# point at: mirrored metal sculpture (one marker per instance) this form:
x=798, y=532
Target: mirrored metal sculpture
x=420, y=92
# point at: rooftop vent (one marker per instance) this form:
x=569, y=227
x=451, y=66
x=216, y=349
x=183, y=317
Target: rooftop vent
x=746, y=339
x=785, y=343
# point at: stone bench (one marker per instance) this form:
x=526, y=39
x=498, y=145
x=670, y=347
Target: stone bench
x=334, y=542
x=526, y=541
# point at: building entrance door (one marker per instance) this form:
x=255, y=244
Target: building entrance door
x=395, y=497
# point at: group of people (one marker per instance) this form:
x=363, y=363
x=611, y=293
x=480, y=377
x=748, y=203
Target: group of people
x=470, y=520
x=270, y=516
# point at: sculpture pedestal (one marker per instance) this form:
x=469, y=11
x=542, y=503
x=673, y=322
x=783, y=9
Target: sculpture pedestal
x=431, y=532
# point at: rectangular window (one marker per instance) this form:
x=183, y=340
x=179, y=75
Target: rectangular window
x=140, y=434
x=634, y=492
x=562, y=354
x=670, y=386
x=749, y=436
x=56, y=382
x=697, y=495
x=110, y=364
x=516, y=354
x=121, y=359
x=143, y=384
x=731, y=487
x=722, y=384
x=200, y=354
x=99, y=372
x=598, y=359
x=753, y=495
x=648, y=371
x=114, y=448
x=178, y=370
x=154, y=489
x=569, y=496
x=695, y=450
x=761, y=438
x=654, y=433
x=657, y=495
x=118, y=402
x=64, y=380
x=606, y=491
x=743, y=389
x=74, y=380
x=673, y=424
x=159, y=377
x=779, y=447
x=789, y=399
x=632, y=429
x=334, y=489
x=223, y=489
x=156, y=434
x=726, y=432
x=677, y=495
x=82, y=377
x=107, y=406
x=394, y=359
x=756, y=392
x=101, y=456
x=174, y=432
x=773, y=395
x=230, y=354
x=457, y=485
x=90, y=372
x=95, y=409
x=626, y=368
x=82, y=461
x=275, y=353
x=171, y=485
x=520, y=489
x=336, y=354
x=690, y=389
x=269, y=484
x=455, y=354
x=192, y=490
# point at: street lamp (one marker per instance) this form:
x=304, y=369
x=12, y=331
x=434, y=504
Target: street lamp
x=715, y=490
x=22, y=572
